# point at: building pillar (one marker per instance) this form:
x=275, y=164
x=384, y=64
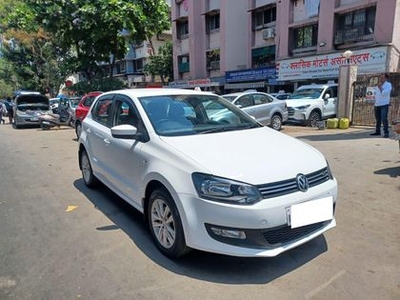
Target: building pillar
x=347, y=76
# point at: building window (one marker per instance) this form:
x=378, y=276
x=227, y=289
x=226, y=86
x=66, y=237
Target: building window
x=213, y=59
x=264, y=16
x=212, y=22
x=263, y=57
x=122, y=67
x=138, y=44
x=139, y=63
x=183, y=64
x=182, y=28
x=355, y=26
x=305, y=37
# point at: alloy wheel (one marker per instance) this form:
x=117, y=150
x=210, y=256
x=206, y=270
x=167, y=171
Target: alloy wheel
x=163, y=223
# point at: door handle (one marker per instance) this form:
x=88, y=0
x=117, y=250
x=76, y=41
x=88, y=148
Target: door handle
x=107, y=141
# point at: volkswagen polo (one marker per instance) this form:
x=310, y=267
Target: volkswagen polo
x=230, y=188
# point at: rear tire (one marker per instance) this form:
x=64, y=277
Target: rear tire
x=276, y=122
x=78, y=129
x=87, y=172
x=165, y=224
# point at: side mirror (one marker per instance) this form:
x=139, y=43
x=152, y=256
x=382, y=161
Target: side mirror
x=327, y=96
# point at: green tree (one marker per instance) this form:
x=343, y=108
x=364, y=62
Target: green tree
x=92, y=28
x=34, y=59
x=161, y=64
x=102, y=84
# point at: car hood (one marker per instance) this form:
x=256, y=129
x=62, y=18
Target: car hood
x=255, y=156
x=300, y=102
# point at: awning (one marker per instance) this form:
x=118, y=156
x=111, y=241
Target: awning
x=245, y=85
x=269, y=50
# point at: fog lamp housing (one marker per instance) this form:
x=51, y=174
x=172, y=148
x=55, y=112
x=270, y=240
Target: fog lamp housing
x=229, y=233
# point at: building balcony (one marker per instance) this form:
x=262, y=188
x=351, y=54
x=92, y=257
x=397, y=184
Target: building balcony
x=213, y=65
x=354, y=35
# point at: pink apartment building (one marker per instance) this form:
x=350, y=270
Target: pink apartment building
x=270, y=45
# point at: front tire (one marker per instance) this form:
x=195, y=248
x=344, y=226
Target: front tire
x=314, y=118
x=165, y=224
x=276, y=122
x=44, y=126
x=87, y=172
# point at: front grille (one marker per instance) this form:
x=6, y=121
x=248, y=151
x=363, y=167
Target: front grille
x=286, y=234
x=289, y=186
x=290, y=111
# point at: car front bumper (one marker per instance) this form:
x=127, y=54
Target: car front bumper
x=265, y=224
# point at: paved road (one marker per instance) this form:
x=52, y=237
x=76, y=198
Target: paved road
x=60, y=240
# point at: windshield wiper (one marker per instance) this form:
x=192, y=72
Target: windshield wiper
x=229, y=128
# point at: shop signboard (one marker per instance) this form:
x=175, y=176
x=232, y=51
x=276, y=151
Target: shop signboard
x=202, y=82
x=370, y=94
x=259, y=74
x=372, y=60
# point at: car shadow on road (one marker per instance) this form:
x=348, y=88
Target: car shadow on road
x=198, y=264
x=336, y=135
x=392, y=172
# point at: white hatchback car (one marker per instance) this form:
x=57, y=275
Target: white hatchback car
x=235, y=189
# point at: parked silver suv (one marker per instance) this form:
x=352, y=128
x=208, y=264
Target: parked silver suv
x=264, y=107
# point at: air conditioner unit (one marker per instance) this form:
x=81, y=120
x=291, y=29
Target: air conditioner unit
x=268, y=33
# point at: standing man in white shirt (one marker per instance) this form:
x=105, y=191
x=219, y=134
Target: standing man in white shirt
x=382, y=102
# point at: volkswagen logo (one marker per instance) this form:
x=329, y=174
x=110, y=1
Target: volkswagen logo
x=302, y=182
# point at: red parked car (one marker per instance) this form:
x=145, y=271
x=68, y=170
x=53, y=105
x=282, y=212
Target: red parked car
x=82, y=110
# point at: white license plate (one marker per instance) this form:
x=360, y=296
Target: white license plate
x=311, y=212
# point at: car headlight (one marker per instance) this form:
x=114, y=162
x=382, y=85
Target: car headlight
x=303, y=107
x=225, y=190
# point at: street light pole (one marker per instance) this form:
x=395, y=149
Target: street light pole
x=347, y=76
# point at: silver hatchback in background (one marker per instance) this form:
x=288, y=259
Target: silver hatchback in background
x=265, y=108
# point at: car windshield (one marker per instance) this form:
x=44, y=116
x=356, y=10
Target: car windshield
x=229, y=98
x=306, y=93
x=75, y=102
x=178, y=115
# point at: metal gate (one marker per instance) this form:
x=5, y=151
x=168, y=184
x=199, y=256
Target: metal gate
x=363, y=109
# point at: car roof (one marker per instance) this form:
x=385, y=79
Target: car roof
x=317, y=85
x=244, y=93
x=144, y=92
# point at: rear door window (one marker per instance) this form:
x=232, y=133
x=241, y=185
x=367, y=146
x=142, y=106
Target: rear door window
x=102, y=110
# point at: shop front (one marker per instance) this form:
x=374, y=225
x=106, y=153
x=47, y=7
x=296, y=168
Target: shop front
x=324, y=68
x=260, y=79
x=205, y=84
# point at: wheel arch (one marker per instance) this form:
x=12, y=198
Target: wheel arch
x=316, y=109
x=157, y=184
x=80, y=151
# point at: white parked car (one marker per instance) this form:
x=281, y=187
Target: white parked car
x=310, y=104
x=230, y=188
x=265, y=108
